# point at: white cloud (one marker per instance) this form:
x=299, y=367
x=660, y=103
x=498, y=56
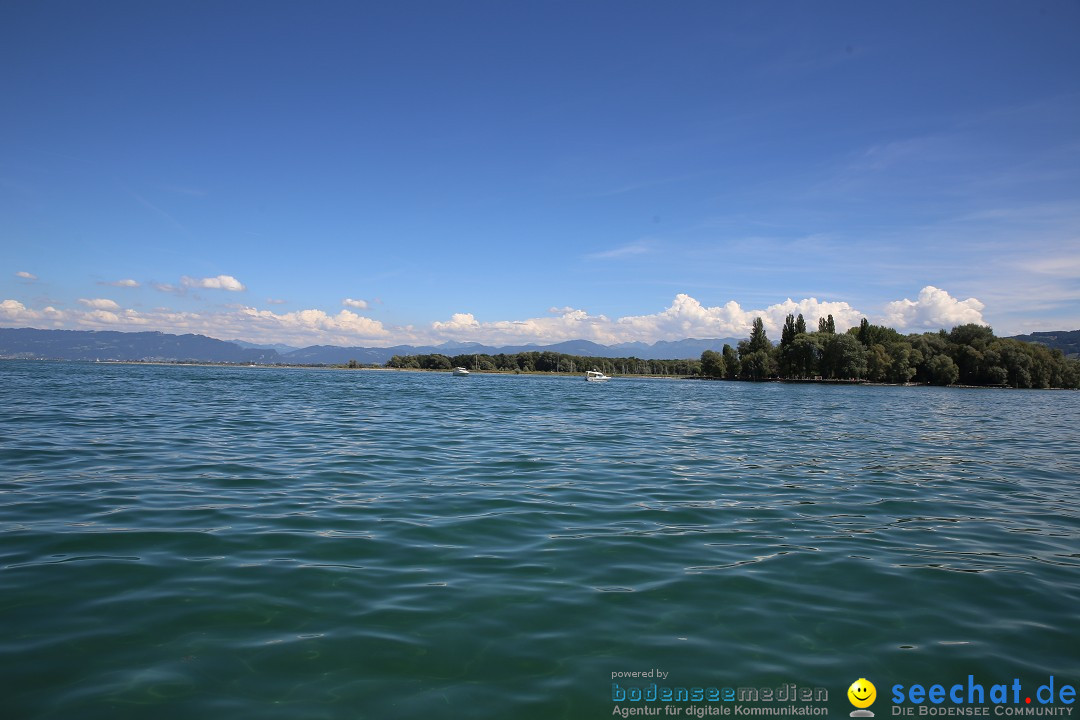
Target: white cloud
x=103, y=315
x=123, y=283
x=812, y=310
x=13, y=311
x=686, y=317
x=275, y=301
x=569, y=325
x=315, y=325
x=221, y=282
x=296, y=328
x=25, y=275
x=100, y=303
x=934, y=309
x=360, y=304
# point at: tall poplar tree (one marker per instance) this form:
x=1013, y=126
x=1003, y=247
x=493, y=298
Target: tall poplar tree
x=788, y=333
x=758, y=339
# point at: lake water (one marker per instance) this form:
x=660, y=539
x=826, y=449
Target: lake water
x=207, y=542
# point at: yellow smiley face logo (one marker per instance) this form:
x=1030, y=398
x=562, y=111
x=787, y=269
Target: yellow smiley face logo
x=862, y=693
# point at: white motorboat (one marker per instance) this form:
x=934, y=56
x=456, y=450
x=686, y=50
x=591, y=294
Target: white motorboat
x=460, y=371
x=596, y=376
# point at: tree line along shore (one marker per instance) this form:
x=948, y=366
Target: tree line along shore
x=966, y=355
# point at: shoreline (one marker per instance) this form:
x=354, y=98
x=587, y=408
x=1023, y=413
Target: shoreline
x=544, y=373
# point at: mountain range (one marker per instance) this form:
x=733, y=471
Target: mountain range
x=1067, y=341
x=29, y=343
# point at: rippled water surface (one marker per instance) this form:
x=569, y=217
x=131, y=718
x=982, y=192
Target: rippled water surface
x=184, y=542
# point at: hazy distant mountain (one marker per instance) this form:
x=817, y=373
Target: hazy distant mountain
x=111, y=345
x=1067, y=341
x=281, y=348
x=663, y=350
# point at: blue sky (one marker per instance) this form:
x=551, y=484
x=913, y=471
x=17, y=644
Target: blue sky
x=370, y=173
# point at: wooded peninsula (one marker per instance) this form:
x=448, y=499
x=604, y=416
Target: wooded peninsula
x=966, y=355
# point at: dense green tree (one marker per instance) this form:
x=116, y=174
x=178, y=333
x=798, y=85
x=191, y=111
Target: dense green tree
x=712, y=364
x=968, y=361
x=800, y=325
x=436, y=361
x=755, y=365
x=843, y=357
x=903, y=362
x=731, y=362
x=925, y=348
x=943, y=370
x=995, y=375
x=547, y=361
x=878, y=363
x=977, y=336
x=806, y=350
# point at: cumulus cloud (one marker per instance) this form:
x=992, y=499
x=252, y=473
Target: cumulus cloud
x=570, y=324
x=25, y=275
x=685, y=317
x=359, y=304
x=221, y=282
x=13, y=311
x=100, y=303
x=812, y=310
x=934, y=309
x=346, y=326
x=122, y=283
x=296, y=328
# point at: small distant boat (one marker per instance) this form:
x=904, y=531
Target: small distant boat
x=460, y=371
x=596, y=376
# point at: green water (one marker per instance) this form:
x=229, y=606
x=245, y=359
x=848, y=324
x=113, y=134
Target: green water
x=183, y=542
